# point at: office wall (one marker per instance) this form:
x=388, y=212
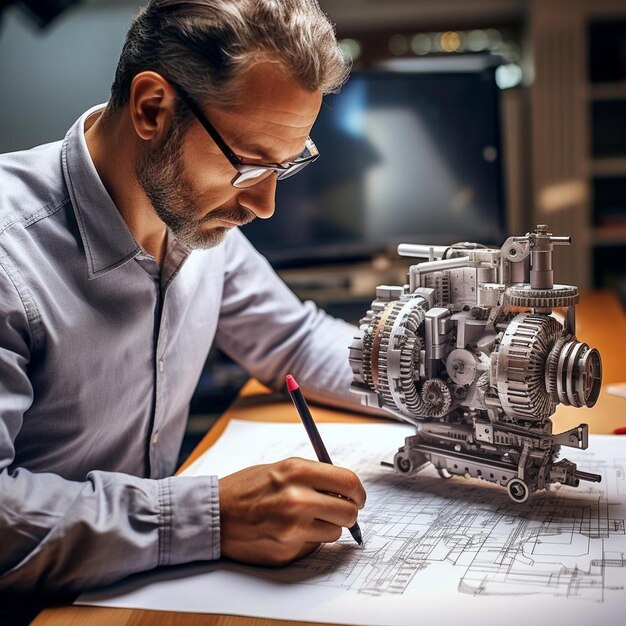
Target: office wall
x=48, y=78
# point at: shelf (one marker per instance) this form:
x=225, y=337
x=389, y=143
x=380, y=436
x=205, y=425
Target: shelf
x=608, y=166
x=608, y=91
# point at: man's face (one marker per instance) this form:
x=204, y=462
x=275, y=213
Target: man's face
x=188, y=178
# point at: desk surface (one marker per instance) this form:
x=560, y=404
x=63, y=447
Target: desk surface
x=600, y=322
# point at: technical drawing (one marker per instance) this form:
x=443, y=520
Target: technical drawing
x=469, y=352
x=563, y=542
x=435, y=551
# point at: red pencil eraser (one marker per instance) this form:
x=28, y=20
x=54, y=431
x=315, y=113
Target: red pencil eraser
x=292, y=385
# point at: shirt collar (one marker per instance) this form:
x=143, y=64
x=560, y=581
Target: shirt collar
x=107, y=240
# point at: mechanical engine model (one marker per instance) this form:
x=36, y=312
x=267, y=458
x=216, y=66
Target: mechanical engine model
x=470, y=353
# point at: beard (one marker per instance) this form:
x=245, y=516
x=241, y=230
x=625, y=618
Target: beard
x=161, y=174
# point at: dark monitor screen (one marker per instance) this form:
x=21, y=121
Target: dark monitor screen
x=405, y=157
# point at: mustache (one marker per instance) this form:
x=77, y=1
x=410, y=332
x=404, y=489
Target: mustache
x=238, y=215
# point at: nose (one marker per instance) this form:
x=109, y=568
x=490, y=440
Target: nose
x=260, y=198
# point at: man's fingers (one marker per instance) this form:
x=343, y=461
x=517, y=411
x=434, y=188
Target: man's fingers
x=331, y=509
x=281, y=511
x=324, y=532
x=300, y=505
x=330, y=479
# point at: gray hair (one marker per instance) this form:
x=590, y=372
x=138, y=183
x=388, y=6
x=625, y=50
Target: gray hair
x=204, y=45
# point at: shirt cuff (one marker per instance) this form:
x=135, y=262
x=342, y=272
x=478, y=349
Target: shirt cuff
x=189, y=519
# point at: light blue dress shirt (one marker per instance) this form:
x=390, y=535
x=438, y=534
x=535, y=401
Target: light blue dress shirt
x=100, y=352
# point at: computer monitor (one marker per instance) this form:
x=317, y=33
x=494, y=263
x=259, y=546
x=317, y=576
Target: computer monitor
x=406, y=156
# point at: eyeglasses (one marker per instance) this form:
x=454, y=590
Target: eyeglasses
x=249, y=171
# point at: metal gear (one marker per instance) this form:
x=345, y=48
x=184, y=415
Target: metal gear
x=461, y=366
x=578, y=374
x=409, y=364
x=526, y=296
x=364, y=364
x=521, y=363
x=478, y=378
x=436, y=397
x=552, y=367
x=380, y=353
x=390, y=353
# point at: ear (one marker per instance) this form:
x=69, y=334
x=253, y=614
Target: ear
x=152, y=105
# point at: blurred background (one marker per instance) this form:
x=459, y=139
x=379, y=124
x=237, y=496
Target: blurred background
x=463, y=120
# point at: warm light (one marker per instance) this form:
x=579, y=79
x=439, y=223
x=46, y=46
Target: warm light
x=562, y=196
x=450, y=41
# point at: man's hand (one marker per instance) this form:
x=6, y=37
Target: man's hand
x=272, y=514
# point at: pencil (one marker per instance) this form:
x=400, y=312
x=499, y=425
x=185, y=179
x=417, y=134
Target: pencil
x=314, y=436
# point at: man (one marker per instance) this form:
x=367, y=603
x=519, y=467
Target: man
x=121, y=263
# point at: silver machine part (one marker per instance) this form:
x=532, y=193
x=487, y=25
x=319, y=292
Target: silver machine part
x=453, y=354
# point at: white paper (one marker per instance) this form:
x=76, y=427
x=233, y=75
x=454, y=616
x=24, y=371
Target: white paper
x=435, y=551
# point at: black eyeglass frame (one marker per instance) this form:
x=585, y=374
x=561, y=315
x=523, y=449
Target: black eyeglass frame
x=246, y=167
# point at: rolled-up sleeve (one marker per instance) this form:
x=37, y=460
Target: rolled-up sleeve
x=67, y=535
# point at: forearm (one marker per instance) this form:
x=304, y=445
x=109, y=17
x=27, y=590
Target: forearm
x=322, y=366
x=62, y=536
x=268, y=330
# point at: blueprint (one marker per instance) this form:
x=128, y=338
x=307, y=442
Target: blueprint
x=434, y=550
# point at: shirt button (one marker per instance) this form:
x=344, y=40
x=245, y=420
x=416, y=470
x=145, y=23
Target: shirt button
x=161, y=365
x=155, y=437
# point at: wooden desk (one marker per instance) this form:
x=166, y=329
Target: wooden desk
x=600, y=322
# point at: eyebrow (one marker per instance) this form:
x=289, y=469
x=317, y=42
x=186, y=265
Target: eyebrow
x=257, y=149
